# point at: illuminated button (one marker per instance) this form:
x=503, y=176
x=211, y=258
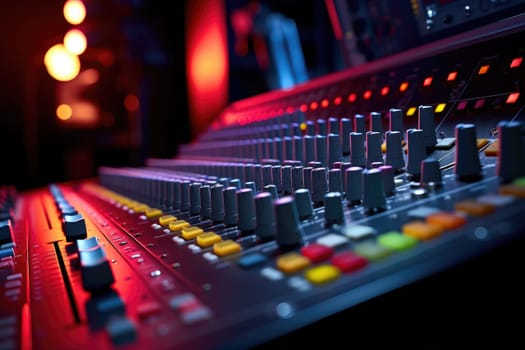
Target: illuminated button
x=191, y=232
x=474, y=208
x=372, y=251
x=480, y=143
x=512, y=190
x=516, y=62
x=322, y=274
x=452, y=76
x=421, y=230
x=446, y=221
x=403, y=87
x=367, y=94
x=445, y=143
x=251, y=260
x=427, y=81
x=396, y=241
x=440, y=107
x=513, y=97
x=207, y=239
x=358, y=232
x=493, y=149
x=166, y=219
x=348, y=261
x=140, y=208
x=479, y=103
x=411, y=111
x=292, y=262
x=385, y=90
x=153, y=213
x=317, y=252
x=332, y=240
x=484, y=69
x=352, y=97
x=520, y=181
x=462, y=105
x=227, y=247
x=178, y=225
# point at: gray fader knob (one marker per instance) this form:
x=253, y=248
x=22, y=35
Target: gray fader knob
x=394, y=150
x=357, y=149
x=333, y=209
x=511, y=156
x=373, y=148
x=319, y=185
x=431, y=173
x=334, y=149
x=230, y=206
x=359, y=123
x=246, y=210
x=376, y=122
x=345, y=127
x=217, y=203
x=416, y=151
x=426, y=123
x=468, y=165
x=396, y=120
x=354, y=185
x=264, y=216
x=303, y=201
x=373, y=192
x=288, y=231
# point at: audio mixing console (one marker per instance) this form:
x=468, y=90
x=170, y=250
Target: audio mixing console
x=294, y=206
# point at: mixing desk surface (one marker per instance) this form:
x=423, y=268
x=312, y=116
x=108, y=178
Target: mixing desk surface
x=295, y=206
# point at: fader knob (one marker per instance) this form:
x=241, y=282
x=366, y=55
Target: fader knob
x=354, y=185
x=373, y=192
x=373, y=148
x=335, y=180
x=319, y=185
x=320, y=149
x=426, y=123
x=308, y=148
x=195, y=198
x=431, y=173
x=264, y=216
x=303, y=201
x=345, y=127
x=217, y=203
x=246, y=210
x=334, y=149
x=416, y=152
x=288, y=231
x=333, y=209
x=376, y=122
x=359, y=123
x=230, y=206
x=511, y=156
x=396, y=120
x=357, y=149
x=205, y=202
x=394, y=150
x=468, y=165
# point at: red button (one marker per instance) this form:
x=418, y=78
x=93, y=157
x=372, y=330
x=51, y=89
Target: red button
x=317, y=252
x=348, y=261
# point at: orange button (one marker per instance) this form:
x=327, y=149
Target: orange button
x=493, y=149
x=421, y=230
x=474, y=208
x=512, y=190
x=446, y=221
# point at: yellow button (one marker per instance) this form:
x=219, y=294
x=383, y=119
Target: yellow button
x=140, y=208
x=474, y=208
x=322, y=274
x=178, y=225
x=446, y=221
x=153, y=213
x=481, y=143
x=208, y=239
x=493, y=149
x=166, y=219
x=512, y=190
x=421, y=230
x=191, y=232
x=292, y=262
x=227, y=247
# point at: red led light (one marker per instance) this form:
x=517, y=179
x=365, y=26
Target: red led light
x=427, y=81
x=338, y=100
x=452, y=76
x=367, y=94
x=484, y=69
x=513, y=97
x=352, y=97
x=325, y=103
x=516, y=62
x=314, y=105
x=290, y=109
x=303, y=108
x=462, y=105
x=403, y=87
x=385, y=91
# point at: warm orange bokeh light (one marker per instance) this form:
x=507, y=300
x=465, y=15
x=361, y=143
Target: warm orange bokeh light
x=75, y=41
x=74, y=11
x=131, y=102
x=61, y=64
x=64, y=112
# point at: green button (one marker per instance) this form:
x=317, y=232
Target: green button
x=372, y=251
x=520, y=181
x=396, y=241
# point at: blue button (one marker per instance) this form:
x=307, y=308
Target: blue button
x=249, y=261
